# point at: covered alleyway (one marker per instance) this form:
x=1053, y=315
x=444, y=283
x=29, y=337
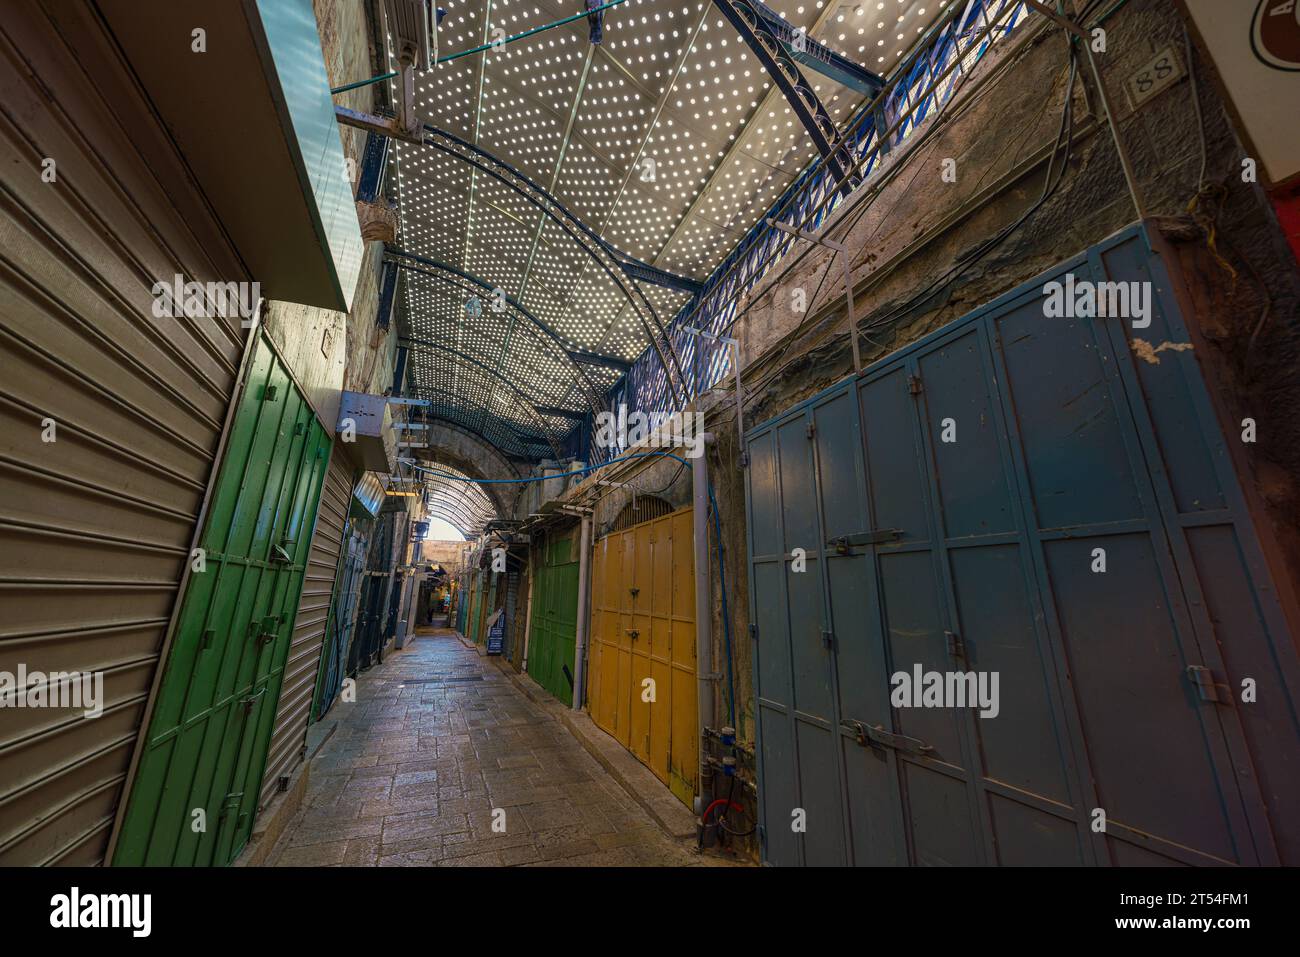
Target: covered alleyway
x=827, y=433
x=438, y=739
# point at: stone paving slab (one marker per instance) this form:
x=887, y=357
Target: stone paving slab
x=422, y=771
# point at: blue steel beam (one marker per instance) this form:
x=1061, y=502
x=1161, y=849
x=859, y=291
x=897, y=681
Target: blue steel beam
x=818, y=56
x=644, y=272
x=374, y=161
x=753, y=27
x=387, y=295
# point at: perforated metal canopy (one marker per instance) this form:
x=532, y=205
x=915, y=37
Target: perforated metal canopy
x=464, y=504
x=667, y=140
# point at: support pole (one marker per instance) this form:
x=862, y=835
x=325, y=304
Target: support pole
x=703, y=618
x=528, y=614
x=580, y=645
x=853, y=323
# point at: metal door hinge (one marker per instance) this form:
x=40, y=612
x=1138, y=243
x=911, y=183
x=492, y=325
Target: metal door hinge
x=268, y=393
x=956, y=644
x=1206, y=687
x=914, y=384
x=828, y=639
x=810, y=428
x=753, y=631
x=867, y=734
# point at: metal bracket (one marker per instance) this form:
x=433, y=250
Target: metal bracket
x=914, y=384
x=828, y=638
x=956, y=645
x=753, y=631
x=867, y=734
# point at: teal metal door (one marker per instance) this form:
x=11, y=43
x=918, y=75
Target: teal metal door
x=195, y=792
x=1017, y=496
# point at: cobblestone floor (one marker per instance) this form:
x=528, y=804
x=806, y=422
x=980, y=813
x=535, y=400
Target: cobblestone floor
x=437, y=739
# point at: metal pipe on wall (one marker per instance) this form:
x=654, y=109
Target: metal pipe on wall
x=584, y=612
x=703, y=617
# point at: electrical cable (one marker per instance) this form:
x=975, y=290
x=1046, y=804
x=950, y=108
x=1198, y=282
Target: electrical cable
x=1065, y=130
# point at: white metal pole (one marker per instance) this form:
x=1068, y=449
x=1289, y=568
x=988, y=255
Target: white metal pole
x=580, y=645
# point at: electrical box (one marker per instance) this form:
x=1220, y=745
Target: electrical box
x=366, y=428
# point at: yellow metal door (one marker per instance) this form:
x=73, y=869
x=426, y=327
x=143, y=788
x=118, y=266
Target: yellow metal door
x=642, y=656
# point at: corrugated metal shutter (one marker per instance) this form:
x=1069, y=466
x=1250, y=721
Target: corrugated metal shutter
x=95, y=527
x=309, y=628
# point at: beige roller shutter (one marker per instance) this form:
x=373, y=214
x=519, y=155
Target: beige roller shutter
x=95, y=525
x=309, y=628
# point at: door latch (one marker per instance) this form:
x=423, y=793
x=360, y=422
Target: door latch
x=877, y=536
x=633, y=634
x=867, y=735
x=1206, y=687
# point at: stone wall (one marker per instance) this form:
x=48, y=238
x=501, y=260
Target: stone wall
x=330, y=351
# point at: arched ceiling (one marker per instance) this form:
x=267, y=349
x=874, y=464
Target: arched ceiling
x=671, y=83
x=462, y=503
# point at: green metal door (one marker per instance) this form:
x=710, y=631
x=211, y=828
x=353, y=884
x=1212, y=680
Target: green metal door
x=555, y=619
x=476, y=609
x=195, y=791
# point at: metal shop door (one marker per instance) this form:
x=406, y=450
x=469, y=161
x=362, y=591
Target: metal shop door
x=642, y=658
x=1014, y=495
x=207, y=740
x=343, y=616
x=555, y=617
x=367, y=647
x=476, y=606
